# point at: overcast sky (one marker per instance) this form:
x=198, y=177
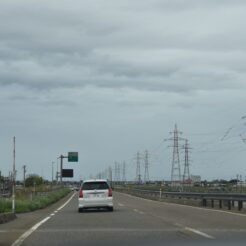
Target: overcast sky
x=110, y=78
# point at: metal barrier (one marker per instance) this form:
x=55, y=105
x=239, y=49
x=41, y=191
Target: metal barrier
x=228, y=199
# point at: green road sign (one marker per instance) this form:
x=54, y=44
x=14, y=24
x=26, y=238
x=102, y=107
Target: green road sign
x=73, y=156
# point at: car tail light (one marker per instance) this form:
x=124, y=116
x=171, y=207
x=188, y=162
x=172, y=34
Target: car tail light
x=81, y=193
x=110, y=192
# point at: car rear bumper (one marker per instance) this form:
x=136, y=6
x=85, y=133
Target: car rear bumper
x=97, y=203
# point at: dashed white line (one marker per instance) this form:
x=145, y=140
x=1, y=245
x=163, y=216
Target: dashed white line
x=194, y=231
x=121, y=205
x=138, y=211
x=199, y=233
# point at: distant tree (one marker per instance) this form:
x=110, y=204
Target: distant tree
x=223, y=181
x=233, y=181
x=34, y=179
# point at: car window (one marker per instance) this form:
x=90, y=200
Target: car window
x=95, y=186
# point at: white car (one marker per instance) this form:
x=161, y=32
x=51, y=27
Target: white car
x=95, y=193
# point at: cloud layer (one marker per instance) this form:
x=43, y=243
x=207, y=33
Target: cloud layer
x=108, y=62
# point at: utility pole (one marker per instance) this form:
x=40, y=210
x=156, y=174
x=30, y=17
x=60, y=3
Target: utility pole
x=52, y=172
x=138, y=169
x=116, y=172
x=146, y=167
x=186, y=176
x=61, y=166
x=57, y=172
x=176, y=171
x=24, y=176
x=13, y=183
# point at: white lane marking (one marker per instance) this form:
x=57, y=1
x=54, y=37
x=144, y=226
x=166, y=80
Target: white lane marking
x=62, y=206
x=3, y=231
x=110, y=230
x=52, y=214
x=121, y=205
x=138, y=211
x=188, y=206
x=20, y=240
x=177, y=224
x=199, y=233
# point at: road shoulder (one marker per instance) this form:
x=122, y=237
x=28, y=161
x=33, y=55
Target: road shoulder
x=11, y=231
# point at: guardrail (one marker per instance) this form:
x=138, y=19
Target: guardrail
x=227, y=199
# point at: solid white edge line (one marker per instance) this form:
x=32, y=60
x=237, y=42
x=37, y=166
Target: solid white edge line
x=26, y=234
x=61, y=207
x=199, y=233
x=20, y=240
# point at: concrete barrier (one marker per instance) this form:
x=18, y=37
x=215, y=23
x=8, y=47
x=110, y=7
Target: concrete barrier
x=6, y=217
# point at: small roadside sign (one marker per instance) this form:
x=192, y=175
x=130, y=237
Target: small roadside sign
x=67, y=173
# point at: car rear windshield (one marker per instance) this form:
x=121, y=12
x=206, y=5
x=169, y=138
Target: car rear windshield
x=95, y=186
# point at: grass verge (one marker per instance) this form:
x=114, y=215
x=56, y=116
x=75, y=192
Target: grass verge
x=38, y=202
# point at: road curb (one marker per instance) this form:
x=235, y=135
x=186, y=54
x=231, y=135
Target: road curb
x=6, y=217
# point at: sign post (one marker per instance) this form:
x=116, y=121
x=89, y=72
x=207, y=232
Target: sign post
x=72, y=157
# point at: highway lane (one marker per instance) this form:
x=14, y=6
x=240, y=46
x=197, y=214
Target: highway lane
x=137, y=221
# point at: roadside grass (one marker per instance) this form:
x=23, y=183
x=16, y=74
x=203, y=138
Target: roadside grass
x=24, y=204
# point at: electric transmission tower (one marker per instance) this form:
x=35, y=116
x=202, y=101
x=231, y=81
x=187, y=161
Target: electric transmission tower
x=186, y=176
x=176, y=170
x=110, y=174
x=124, y=171
x=146, y=167
x=116, y=172
x=138, y=169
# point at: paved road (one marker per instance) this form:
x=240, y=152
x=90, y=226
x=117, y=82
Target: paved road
x=136, y=221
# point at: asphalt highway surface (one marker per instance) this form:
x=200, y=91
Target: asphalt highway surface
x=135, y=221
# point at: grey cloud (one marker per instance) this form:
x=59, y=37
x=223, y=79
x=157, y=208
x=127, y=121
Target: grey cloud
x=197, y=46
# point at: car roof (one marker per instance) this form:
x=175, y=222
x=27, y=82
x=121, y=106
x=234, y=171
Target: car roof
x=95, y=180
